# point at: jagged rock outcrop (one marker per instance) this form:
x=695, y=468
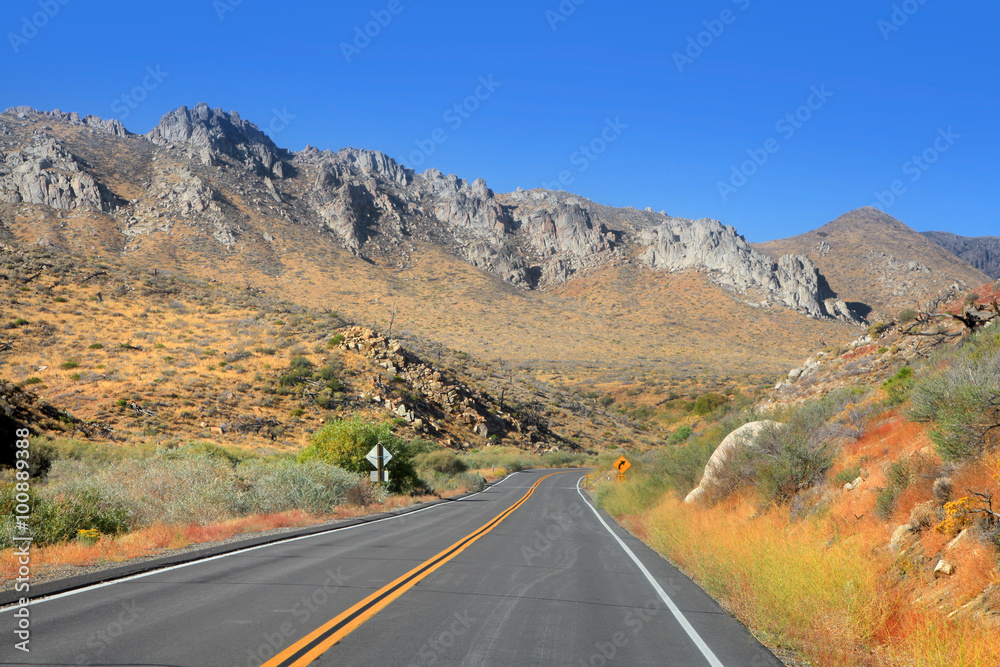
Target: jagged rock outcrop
x=348, y=163
x=46, y=173
x=501, y=261
x=345, y=209
x=793, y=281
x=982, y=252
x=221, y=133
x=470, y=207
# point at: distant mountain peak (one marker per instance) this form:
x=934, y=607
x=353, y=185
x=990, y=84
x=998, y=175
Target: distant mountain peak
x=221, y=133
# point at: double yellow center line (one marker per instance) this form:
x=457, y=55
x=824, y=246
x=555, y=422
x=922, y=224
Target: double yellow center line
x=319, y=641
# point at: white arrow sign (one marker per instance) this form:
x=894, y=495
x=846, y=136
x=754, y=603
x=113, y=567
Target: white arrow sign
x=373, y=455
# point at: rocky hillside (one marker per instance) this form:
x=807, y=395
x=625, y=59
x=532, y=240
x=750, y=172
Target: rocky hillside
x=99, y=350
x=523, y=276
x=878, y=264
x=982, y=252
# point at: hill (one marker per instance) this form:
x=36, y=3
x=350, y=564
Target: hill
x=982, y=252
x=879, y=265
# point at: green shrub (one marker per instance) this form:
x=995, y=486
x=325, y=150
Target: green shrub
x=709, y=403
x=299, y=370
x=20, y=322
x=336, y=340
x=899, y=386
x=69, y=364
x=680, y=435
x=961, y=396
x=346, y=443
x=57, y=518
x=907, y=315
x=95, y=346
x=31, y=381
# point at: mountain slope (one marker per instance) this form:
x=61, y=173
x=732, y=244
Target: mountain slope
x=982, y=252
x=879, y=263
x=530, y=277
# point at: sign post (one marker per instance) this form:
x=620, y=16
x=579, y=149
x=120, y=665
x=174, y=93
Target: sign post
x=379, y=456
x=622, y=465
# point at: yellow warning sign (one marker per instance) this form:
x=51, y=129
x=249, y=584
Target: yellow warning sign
x=622, y=465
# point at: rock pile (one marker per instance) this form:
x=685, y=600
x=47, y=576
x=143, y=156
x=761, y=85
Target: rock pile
x=434, y=402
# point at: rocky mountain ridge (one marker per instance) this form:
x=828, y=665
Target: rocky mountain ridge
x=219, y=176
x=982, y=252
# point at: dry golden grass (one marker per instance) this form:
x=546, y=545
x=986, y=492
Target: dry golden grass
x=823, y=583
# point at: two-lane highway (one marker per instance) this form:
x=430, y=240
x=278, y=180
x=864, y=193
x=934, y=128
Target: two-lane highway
x=525, y=573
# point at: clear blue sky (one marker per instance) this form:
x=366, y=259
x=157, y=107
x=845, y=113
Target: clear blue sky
x=681, y=124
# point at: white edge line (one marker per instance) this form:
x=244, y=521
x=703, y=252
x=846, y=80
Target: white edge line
x=209, y=559
x=692, y=633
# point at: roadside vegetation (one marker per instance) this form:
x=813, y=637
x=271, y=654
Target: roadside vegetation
x=94, y=502
x=861, y=530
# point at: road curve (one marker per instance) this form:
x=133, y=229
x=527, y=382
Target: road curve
x=525, y=573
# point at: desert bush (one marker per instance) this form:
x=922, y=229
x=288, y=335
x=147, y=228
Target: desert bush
x=56, y=517
x=877, y=329
x=680, y=435
x=314, y=486
x=790, y=457
x=899, y=386
x=898, y=478
x=346, y=442
x=443, y=461
x=907, y=315
x=299, y=370
x=178, y=487
x=961, y=395
x=708, y=403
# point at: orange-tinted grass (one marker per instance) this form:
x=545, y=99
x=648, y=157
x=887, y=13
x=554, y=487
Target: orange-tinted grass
x=160, y=537
x=825, y=587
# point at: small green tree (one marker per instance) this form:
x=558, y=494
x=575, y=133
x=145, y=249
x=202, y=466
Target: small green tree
x=346, y=443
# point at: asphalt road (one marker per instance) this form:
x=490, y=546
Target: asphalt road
x=525, y=573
